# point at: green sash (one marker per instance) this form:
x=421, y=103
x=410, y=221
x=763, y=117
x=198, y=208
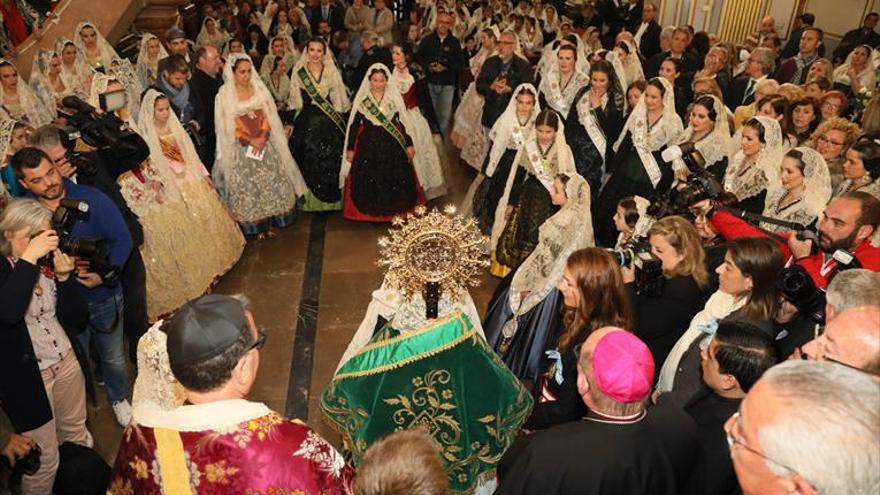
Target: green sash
x=319, y=100
x=375, y=111
x=434, y=378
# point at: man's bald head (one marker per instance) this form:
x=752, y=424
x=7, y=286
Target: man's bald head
x=852, y=338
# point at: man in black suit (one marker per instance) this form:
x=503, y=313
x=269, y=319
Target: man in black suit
x=678, y=48
x=330, y=12
x=206, y=81
x=647, y=34
x=760, y=65
x=500, y=75
x=633, y=14
x=614, y=13
x=373, y=54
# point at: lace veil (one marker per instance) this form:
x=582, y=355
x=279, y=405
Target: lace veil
x=108, y=54
x=205, y=38
x=817, y=180
x=32, y=105
x=506, y=124
x=569, y=229
x=143, y=59
x=557, y=96
x=662, y=133
x=39, y=80
x=391, y=104
x=227, y=109
x=767, y=162
x=867, y=76
x=79, y=77
x=714, y=146
x=155, y=388
x=330, y=85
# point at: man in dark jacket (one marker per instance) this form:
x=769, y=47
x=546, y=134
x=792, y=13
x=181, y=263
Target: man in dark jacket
x=373, y=54
x=647, y=34
x=174, y=83
x=330, y=12
x=500, y=75
x=441, y=55
x=864, y=35
x=794, y=70
x=205, y=83
x=678, y=48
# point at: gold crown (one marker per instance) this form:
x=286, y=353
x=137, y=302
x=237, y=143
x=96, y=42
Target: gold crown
x=433, y=247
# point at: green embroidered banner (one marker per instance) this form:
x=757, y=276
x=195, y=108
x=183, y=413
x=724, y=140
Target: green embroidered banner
x=434, y=378
x=375, y=111
x=319, y=100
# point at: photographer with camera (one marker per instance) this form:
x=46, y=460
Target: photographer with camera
x=499, y=76
x=98, y=276
x=43, y=389
x=846, y=225
x=441, y=55
x=660, y=317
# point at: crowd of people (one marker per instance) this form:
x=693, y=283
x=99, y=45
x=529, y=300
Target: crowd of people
x=682, y=225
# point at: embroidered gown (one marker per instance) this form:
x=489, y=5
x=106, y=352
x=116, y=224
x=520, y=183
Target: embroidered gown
x=382, y=182
x=317, y=144
x=492, y=188
x=589, y=129
x=427, y=158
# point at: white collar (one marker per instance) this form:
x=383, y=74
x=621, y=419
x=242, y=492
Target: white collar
x=758, y=79
x=200, y=417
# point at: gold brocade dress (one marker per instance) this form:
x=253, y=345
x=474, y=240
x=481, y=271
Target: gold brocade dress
x=214, y=235
x=168, y=250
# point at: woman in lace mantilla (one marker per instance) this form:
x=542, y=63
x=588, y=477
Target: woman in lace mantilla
x=467, y=132
x=147, y=65
x=756, y=164
x=46, y=80
x=800, y=193
x=75, y=71
x=709, y=129
x=562, y=81
x=18, y=100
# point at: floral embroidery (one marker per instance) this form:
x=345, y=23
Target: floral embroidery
x=315, y=449
x=120, y=487
x=262, y=427
x=191, y=467
x=219, y=472
x=275, y=490
x=140, y=468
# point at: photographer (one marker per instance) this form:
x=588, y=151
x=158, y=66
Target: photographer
x=847, y=223
x=101, y=169
x=441, y=55
x=43, y=389
x=499, y=76
x=36, y=173
x=660, y=319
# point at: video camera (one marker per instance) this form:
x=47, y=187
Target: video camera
x=799, y=289
x=701, y=184
x=648, y=268
x=98, y=130
x=90, y=248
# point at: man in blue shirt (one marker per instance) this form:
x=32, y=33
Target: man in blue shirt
x=39, y=176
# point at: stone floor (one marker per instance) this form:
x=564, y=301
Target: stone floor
x=275, y=274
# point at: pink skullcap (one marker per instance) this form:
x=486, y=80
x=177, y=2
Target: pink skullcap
x=623, y=367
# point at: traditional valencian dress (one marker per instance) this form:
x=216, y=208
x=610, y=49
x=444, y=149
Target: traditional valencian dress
x=214, y=242
x=432, y=374
x=519, y=327
x=380, y=183
x=528, y=192
x=78, y=75
x=148, y=69
x=30, y=108
x=748, y=179
x=637, y=168
x=805, y=209
x=507, y=137
x=319, y=130
x=229, y=446
x=48, y=92
x=259, y=189
x=713, y=147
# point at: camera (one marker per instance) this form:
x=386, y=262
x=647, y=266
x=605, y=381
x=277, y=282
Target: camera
x=97, y=130
x=701, y=185
x=89, y=248
x=27, y=465
x=799, y=289
x=194, y=135
x=688, y=153
x=648, y=268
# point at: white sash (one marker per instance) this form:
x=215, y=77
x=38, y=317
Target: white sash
x=537, y=161
x=587, y=118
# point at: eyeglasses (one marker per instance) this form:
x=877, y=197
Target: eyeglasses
x=823, y=139
x=261, y=341
x=832, y=106
x=731, y=441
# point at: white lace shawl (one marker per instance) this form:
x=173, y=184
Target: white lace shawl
x=205, y=38
x=816, y=195
x=6, y=128
x=155, y=388
x=147, y=127
x=569, y=229
x=558, y=98
x=143, y=62
x=564, y=164
x=548, y=56
x=227, y=108
x=714, y=145
x=405, y=315
x=330, y=86
x=291, y=55
x=107, y=53
x=507, y=129
x=647, y=138
x=39, y=80
x=32, y=106
x=629, y=70
x=747, y=183
x=391, y=104
x=78, y=77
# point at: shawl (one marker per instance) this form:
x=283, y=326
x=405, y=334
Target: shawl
x=155, y=388
x=107, y=53
x=330, y=86
x=143, y=59
x=565, y=232
x=79, y=76
x=33, y=108
x=225, y=112
x=714, y=145
x=205, y=38
x=39, y=80
x=748, y=183
x=867, y=76
x=817, y=193
x=558, y=98
x=564, y=162
x=507, y=128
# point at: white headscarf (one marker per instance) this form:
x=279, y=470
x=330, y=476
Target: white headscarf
x=39, y=80
x=764, y=171
x=108, y=54
x=79, y=77
x=867, y=76
x=147, y=126
x=817, y=192
x=226, y=110
x=291, y=54
x=713, y=146
x=569, y=229
x=205, y=38
x=155, y=388
x=330, y=86
x=34, y=110
x=564, y=161
x=548, y=55
x=391, y=104
x=632, y=67
x=557, y=98
x=647, y=139
x=507, y=127
x=143, y=59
